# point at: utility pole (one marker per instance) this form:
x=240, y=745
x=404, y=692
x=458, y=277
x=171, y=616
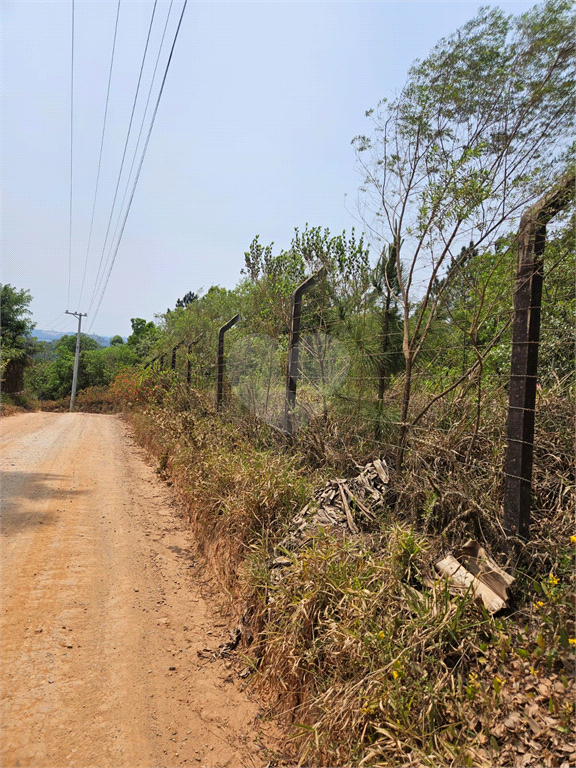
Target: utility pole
x=79, y=315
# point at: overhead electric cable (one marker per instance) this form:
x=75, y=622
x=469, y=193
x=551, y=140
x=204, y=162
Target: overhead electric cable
x=136, y=148
x=141, y=159
x=97, y=285
x=101, y=149
x=53, y=321
x=71, y=154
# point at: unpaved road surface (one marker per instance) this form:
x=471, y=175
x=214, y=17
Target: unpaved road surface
x=102, y=613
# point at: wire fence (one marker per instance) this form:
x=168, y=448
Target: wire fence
x=457, y=397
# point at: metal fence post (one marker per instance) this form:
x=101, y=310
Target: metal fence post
x=524, y=362
x=293, y=350
x=220, y=360
x=173, y=364
x=188, y=364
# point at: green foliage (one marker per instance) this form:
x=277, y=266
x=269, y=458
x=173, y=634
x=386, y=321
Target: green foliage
x=481, y=130
x=556, y=355
x=187, y=299
x=143, y=337
x=15, y=327
x=50, y=377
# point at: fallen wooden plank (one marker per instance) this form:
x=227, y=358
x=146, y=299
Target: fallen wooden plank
x=461, y=580
x=351, y=524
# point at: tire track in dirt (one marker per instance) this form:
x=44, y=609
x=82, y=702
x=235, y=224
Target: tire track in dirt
x=101, y=611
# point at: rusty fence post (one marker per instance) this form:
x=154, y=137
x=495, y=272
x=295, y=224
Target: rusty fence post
x=220, y=360
x=173, y=362
x=524, y=362
x=188, y=364
x=294, y=350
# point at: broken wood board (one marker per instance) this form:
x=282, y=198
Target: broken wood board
x=471, y=568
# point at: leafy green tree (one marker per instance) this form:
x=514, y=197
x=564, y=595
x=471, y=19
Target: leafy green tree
x=144, y=335
x=51, y=380
x=51, y=376
x=116, y=341
x=273, y=278
x=15, y=330
x=480, y=130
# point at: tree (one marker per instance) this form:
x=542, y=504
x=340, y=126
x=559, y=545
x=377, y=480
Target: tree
x=115, y=341
x=273, y=278
x=50, y=378
x=480, y=130
x=186, y=300
x=144, y=335
x=15, y=332
x=385, y=357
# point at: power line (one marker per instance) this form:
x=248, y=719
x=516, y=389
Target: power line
x=53, y=321
x=141, y=159
x=153, y=80
x=101, y=149
x=97, y=285
x=71, y=154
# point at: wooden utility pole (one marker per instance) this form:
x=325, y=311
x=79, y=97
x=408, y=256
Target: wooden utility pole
x=220, y=361
x=294, y=349
x=79, y=315
x=524, y=363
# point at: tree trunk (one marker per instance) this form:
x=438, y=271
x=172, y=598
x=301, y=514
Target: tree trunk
x=404, y=416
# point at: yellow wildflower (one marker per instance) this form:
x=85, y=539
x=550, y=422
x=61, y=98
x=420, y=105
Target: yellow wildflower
x=539, y=603
x=572, y=640
x=395, y=674
x=572, y=539
x=552, y=579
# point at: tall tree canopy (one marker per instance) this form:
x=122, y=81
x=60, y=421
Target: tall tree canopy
x=15, y=329
x=481, y=129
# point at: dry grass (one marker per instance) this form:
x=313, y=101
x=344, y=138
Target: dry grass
x=13, y=404
x=237, y=490
x=368, y=664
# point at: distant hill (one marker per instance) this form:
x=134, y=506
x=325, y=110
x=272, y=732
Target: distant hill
x=53, y=335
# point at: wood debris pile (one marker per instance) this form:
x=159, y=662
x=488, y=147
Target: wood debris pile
x=348, y=504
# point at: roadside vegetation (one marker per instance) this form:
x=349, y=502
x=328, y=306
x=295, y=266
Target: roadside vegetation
x=405, y=356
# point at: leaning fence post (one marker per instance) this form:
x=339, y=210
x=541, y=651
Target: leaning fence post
x=188, y=364
x=220, y=360
x=524, y=362
x=293, y=350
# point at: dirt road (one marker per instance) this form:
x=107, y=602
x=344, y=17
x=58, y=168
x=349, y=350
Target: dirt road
x=101, y=611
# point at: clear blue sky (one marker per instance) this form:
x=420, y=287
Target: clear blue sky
x=252, y=136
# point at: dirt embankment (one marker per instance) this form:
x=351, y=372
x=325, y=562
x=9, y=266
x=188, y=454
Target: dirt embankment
x=103, y=613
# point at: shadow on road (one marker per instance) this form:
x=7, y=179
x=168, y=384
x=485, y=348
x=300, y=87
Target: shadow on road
x=24, y=492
